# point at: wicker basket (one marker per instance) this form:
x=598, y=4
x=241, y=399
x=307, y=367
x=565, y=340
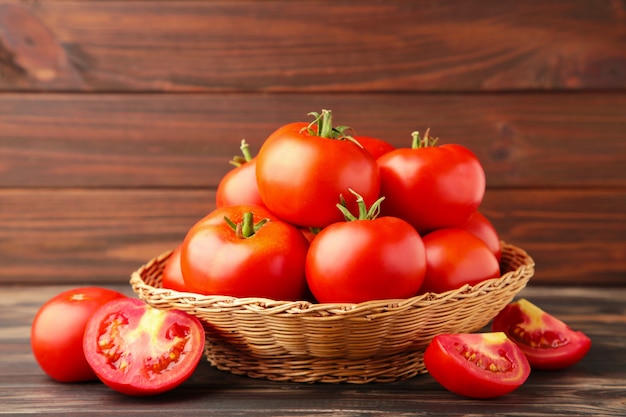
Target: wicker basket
x=300, y=341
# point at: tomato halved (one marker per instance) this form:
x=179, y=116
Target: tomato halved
x=476, y=365
x=139, y=350
x=547, y=342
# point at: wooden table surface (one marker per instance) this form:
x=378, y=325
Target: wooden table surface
x=596, y=386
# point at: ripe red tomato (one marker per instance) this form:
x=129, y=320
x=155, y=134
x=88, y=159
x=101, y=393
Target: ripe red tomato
x=172, y=277
x=56, y=336
x=476, y=365
x=139, y=350
x=303, y=168
x=456, y=257
x=239, y=185
x=365, y=259
x=376, y=147
x=429, y=186
x=255, y=260
x=480, y=225
x=547, y=342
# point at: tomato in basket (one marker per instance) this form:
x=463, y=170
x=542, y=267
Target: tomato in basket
x=476, y=365
x=365, y=258
x=172, y=273
x=56, y=336
x=547, y=342
x=481, y=226
x=456, y=257
x=239, y=185
x=431, y=186
x=241, y=254
x=302, y=168
x=375, y=146
x=139, y=350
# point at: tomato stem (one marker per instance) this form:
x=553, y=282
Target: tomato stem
x=322, y=126
x=246, y=228
x=364, y=213
x=246, y=155
x=424, y=142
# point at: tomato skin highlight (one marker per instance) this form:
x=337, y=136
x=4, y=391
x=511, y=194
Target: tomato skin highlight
x=362, y=260
x=139, y=350
x=301, y=176
x=270, y=264
x=57, y=332
x=432, y=187
x=476, y=365
x=547, y=342
x=456, y=257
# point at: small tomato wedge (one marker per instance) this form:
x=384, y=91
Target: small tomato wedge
x=547, y=342
x=56, y=336
x=476, y=365
x=139, y=350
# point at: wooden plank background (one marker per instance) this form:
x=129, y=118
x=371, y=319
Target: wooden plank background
x=118, y=118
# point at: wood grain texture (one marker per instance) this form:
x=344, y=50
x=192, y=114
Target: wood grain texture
x=596, y=386
x=178, y=140
x=101, y=236
x=440, y=45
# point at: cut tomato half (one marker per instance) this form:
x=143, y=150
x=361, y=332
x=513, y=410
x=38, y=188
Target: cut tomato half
x=139, y=350
x=476, y=365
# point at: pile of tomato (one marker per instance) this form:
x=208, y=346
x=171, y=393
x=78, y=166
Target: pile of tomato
x=320, y=213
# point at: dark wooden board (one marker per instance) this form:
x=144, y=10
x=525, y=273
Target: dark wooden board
x=101, y=236
x=596, y=386
x=440, y=45
x=180, y=140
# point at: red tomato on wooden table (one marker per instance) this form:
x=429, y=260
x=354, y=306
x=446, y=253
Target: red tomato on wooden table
x=456, y=257
x=243, y=253
x=476, y=365
x=365, y=258
x=431, y=186
x=56, y=336
x=239, y=185
x=547, y=342
x=139, y=350
x=302, y=168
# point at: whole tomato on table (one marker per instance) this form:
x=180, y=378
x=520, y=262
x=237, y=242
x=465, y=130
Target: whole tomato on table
x=365, y=258
x=431, y=186
x=56, y=336
x=239, y=252
x=302, y=168
x=139, y=350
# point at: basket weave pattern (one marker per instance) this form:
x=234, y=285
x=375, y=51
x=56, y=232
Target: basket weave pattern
x=301, y=341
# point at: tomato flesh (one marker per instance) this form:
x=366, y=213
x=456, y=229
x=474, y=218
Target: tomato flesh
x=139, y=350
x=547, y=342
x=57, y=332
x=476, y=365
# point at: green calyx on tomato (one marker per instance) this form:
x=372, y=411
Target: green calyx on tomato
x=246, y=155
x=247, y=227
x=364, y=212
x=322, y=126
x=423, y=142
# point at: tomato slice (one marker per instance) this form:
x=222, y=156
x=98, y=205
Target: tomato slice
x=139, y=350
x=547, y=342
x=476, y=365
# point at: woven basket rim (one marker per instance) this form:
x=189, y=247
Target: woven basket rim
x=269, y=306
